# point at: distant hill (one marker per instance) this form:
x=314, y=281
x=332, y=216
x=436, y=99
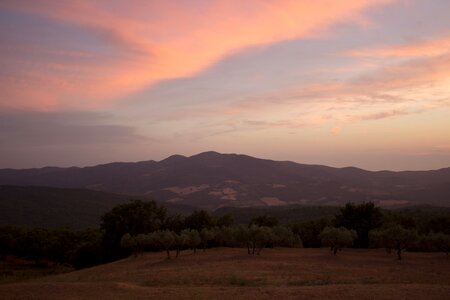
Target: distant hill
x=58, y=207
x=211, y=180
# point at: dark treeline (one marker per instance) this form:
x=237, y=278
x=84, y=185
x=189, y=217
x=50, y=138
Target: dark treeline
x=139, y=226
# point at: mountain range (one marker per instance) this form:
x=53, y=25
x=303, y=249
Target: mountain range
x=211, y=180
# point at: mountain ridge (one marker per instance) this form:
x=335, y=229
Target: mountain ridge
x=211, y=180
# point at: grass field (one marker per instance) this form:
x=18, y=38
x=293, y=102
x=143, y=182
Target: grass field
x=230, y=273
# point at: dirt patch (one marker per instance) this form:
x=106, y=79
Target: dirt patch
x=272, y=201
x=278, y=185
x=186, y=190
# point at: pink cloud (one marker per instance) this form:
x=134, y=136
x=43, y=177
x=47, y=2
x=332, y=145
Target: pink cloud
x=159, y=40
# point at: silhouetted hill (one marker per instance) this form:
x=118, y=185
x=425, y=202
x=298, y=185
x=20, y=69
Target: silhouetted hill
x=211, y=180
x=58, y=207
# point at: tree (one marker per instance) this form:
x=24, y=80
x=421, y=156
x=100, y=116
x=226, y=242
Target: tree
x=436, y=242
x=199, y=220
x=206, y=235
x=309, y=231
x=394, y=237
x=33, y=245
x=439, y=224
x=164, y=240
x=336, y=238
x=181, y=240
x=284, y=237
x=442, y=242
x=193, y=238
x=134, y=218
x=224, y=221
x=362, y=218
x=127, y=242
x=264, y=220
x=8, y=239
x=259, y=237
x=86, y=255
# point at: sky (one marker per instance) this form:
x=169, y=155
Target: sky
x=362, y=83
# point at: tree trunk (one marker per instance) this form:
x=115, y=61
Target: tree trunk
x=335, y=250
x=178, y=252
x=399, y=254
x=195, y=250
x=248, y=248
x=168, y=254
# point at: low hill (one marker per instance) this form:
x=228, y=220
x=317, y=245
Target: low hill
x=211, y=180
x=57, y=207
x=225, y=273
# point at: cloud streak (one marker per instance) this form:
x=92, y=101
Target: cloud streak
x=140, y=43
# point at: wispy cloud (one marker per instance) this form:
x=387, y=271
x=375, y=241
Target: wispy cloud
x=421, y=48
x=137, y=44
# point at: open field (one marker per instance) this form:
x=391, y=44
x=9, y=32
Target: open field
x=230, y=273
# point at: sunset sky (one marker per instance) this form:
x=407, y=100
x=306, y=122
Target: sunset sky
x=361, y=83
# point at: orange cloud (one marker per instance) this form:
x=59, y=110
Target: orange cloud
x=158, y=40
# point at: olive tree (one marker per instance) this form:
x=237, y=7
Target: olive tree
x=336, y=238
x=284, y=237
x=394, y=237
x=163, y=239
x=259, y=237
x=206, y=235
x=437, y=242
x=181, y=240
x=127, y=242
x=193, y=238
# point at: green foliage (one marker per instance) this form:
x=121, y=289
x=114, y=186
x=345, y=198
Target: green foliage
x=199, y=220
x=441, y=241
x=163, y=239
x=86, y=255
x=224, y=221
x=264, y=221
x=394, y=237
x=435, y=242
x=134, y=218
x=259, y=237
x=286, y=214
x=127, y=241
x=438, y=224
x=283, y=236
x=193, y=238
x=55, y=245
x=309, y=231
x=206, y=235
x=362, y=218
x=181, y=241
x=239, y=281
x=336, y=238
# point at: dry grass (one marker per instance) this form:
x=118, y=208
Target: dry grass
x=225, y=273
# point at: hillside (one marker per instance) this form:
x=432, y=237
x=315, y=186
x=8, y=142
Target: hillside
x=225, y=273
x=211, y=180
x=57, y=207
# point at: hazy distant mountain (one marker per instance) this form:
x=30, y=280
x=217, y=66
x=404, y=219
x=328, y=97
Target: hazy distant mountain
x=211, y=180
